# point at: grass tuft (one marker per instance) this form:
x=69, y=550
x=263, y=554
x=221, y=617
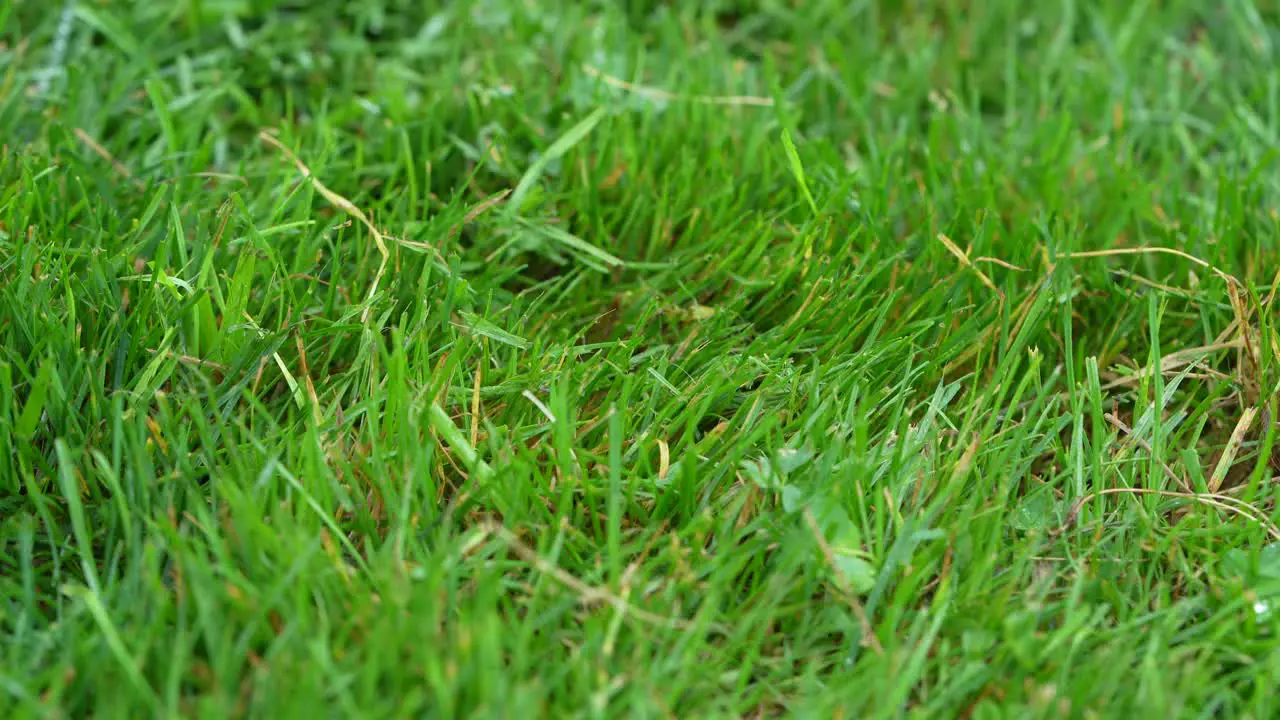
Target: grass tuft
x=670, y=359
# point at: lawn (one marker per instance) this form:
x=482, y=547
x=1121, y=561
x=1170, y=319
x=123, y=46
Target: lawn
x=502, y=358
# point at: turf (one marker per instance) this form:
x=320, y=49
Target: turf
x=724, y=359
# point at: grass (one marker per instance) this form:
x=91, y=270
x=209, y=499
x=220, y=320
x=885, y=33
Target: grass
x=506, y=359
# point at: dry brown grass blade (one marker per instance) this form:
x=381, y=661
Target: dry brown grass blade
x=965, y=461
x=1155, y=250
x=963, y=257
x=1174, y=361
x=208, y=175
x=306, y=377
x=658, y=94
x=475, y=406
x=346, y=206
x=1019, y=317
x=483, y=207
x=1248, y=359
x=1222, y=502
x=188, y=359
x=1233, y=447
x=105, y=154
x=476, y=211
x=1119, y=424
x=1275, y=286
x=1002, y=263
x=1172, y=290
x=587, y=594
